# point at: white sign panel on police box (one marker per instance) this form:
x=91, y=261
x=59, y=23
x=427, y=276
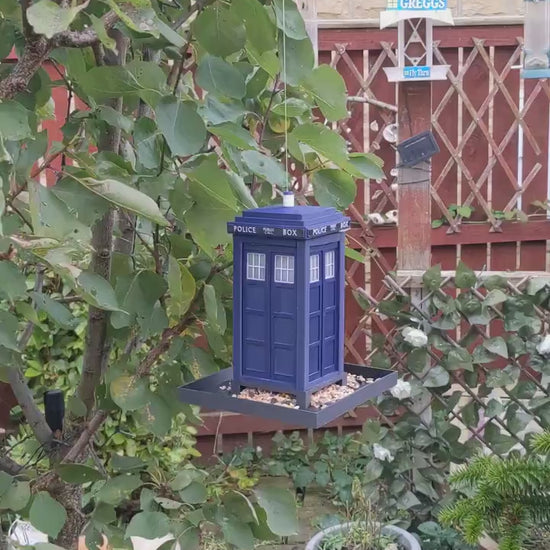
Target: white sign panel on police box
x=424, y=5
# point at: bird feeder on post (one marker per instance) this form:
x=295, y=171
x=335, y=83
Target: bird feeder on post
x=415, y=71
x=536, y=51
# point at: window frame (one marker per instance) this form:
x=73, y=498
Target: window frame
x=330, y=266
x=284, y=269
x=314, y=268
x=255, y=266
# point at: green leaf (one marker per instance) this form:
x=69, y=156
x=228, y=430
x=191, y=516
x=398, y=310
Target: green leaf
x=494, y=298
x=297, y=60
x=16, y=497
x=148, y=525
x=136, y=14
x=234, y=134
x=57, y=312
x=417, y=360
x=536, y=284
x=289, y=19
x=238, y=533
x=199, y=362
x=148, y=143
x=51, y=217
x=156, y=415
x=354, y=255
x=182, y=127
x=129, y=392
x=437, y=377
x=47, y=515
x=497, y=346
x=219, y=30
x=210, y=180
x=465, y=277
x=280, y=508
x=78, y=473
x=470, y=414
x=215, y=312
x=367, y=165
x=517, y=419
x=317, y=137
x=217, y=110
x=432, y=279
x=13, y=284
x=241, y=190
x=101, y=31
x=138, y=293
x=118, y=488
x=115, y=119
x=7, y=38
x=291, y=107
x=334, y=187
x=499, y=443
x=499, y=378
x=266, y=167
x=125, y=197
x=6, y=481
x=220, y=78
x=181, y=285
x=14, y=121
x=459, y=358
x=237, y=504
x=49, y=18
x=8, y=330
x=126, y=463
x=86, y=206
x=494, y=408
x=407, y=501
x=260, y=31
x=194, y=493
x=208, y=224
x=328, y=89
x=97, y=291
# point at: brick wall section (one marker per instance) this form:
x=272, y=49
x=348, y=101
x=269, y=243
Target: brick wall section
x=361, y=9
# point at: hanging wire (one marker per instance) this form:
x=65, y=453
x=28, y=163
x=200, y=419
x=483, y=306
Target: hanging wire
x=285, y=123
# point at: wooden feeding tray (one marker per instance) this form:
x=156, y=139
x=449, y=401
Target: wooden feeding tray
x=214, y=393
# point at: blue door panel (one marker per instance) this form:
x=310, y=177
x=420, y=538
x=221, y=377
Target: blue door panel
x=284, y=363
x=323, y=317
x=254, y=364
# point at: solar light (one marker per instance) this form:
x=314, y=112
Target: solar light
x=536, y=62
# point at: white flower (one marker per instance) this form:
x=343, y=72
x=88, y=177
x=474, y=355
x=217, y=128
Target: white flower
x=381, y=453
x=544, y=347
x=415, y=337
x=401, y=390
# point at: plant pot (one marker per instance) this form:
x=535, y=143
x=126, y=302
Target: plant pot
x=403, y=538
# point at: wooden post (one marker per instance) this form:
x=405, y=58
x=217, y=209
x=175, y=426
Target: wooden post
x=414, y=211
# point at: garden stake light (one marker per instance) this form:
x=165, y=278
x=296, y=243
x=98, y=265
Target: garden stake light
x=536, y=39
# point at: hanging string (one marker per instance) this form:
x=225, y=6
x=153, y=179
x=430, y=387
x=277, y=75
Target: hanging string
x=285, y=122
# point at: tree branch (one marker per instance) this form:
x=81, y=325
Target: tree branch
x=168, y=335
x=10, y=466
x=85, y=437
x=38, y=48
x=20, y=388
x=98, y=344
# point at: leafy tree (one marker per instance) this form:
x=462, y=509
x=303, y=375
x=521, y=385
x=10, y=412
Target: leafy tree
x=507, y=498
x=181, y=114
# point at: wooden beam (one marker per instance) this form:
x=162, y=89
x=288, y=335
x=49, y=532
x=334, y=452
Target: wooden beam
x=470, y=233
x=448, y=37
x=414, y=208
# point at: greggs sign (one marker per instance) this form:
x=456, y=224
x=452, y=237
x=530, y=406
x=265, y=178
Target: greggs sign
x=417, y=5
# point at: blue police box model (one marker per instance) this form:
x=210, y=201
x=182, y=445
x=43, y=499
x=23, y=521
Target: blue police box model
x=288, y=297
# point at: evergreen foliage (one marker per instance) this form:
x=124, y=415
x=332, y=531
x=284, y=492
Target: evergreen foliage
x=507, y=498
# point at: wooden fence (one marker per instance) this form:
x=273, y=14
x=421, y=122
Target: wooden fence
x=493, y=131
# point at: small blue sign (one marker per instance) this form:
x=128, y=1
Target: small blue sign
x=420, y=5
x=417, y=72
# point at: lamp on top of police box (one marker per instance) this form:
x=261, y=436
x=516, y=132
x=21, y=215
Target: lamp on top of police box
x=536, y=62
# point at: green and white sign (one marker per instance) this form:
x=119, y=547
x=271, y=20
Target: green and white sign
x=420, y=5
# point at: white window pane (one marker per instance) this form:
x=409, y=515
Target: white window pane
x=255, y=266
x=329, y=264
x=314, y=268
x=284, y=269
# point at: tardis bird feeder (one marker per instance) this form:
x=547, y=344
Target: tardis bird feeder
x=415, y=21
x=288, y=332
